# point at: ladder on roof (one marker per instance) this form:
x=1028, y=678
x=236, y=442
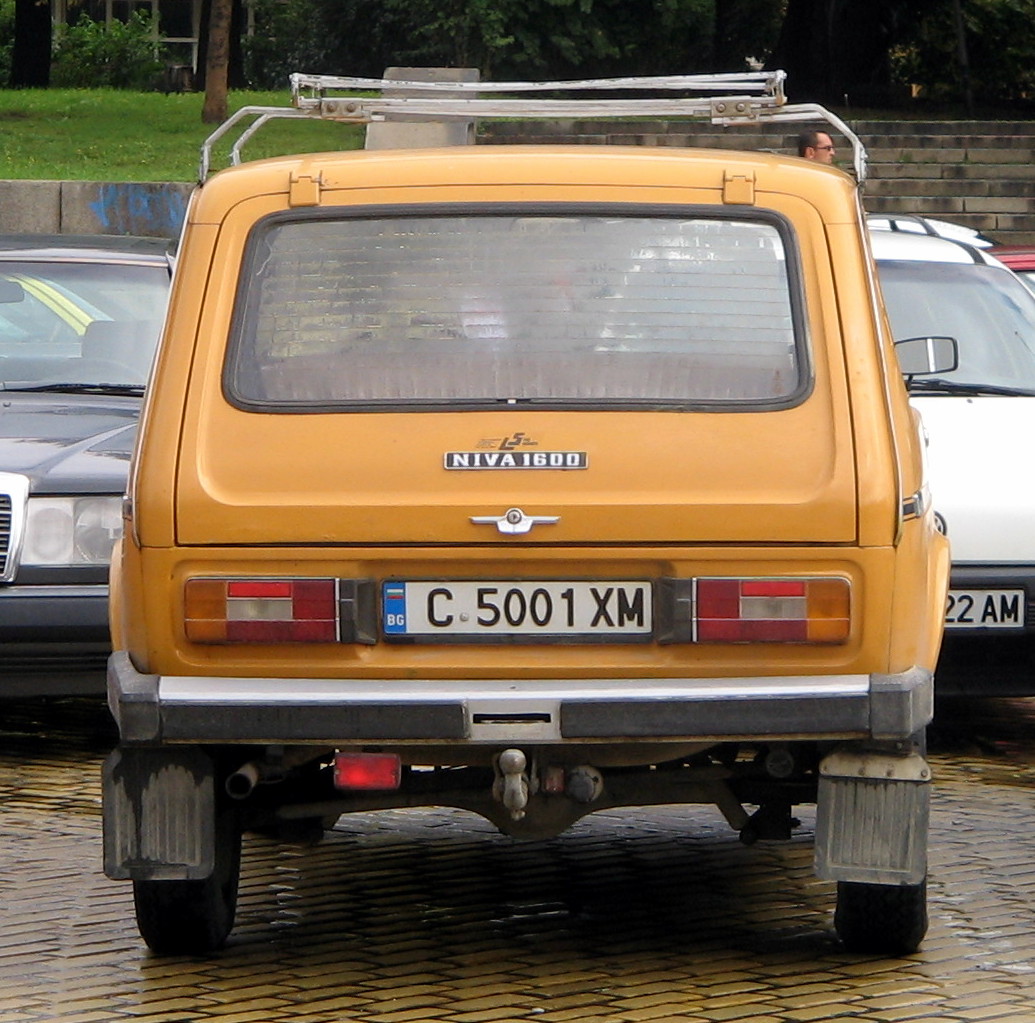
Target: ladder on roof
x=753, y=97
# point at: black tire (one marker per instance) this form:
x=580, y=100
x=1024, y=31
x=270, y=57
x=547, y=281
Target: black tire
x=193, y=917
x=880, y=918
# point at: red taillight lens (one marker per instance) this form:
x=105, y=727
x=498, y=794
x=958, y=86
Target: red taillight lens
x=367, y=771
x=261, y=610
x=772, y=610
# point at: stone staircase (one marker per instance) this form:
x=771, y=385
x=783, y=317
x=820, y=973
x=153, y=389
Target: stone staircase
x=977, y=173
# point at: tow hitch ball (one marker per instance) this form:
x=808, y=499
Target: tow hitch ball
x=514, y=783
x=511, y=785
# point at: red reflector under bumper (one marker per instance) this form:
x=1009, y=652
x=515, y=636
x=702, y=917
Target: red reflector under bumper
x=367, y=771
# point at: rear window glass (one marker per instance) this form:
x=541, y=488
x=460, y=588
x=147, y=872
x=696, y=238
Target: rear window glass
x=539, y=308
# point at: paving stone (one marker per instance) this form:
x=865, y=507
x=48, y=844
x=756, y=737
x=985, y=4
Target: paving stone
x=634, y=915
x=664, y=1010
x=481, y=1015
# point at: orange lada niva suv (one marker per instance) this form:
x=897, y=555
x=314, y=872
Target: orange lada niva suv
x=533, y=480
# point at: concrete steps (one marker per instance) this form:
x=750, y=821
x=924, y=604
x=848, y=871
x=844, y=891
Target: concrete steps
x=977, y=173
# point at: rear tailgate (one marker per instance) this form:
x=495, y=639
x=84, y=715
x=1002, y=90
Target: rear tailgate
x=642, y=372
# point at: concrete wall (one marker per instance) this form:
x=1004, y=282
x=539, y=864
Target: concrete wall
x=89, y=207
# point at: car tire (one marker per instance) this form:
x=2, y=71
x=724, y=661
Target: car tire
x=880, y=918
x=193, y=917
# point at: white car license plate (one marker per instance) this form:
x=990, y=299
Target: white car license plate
x=985, y=609
x=615, y=610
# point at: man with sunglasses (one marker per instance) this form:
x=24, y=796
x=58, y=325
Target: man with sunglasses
x=816, y=145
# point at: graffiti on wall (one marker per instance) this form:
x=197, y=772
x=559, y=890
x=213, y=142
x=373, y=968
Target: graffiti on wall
x=140, y=208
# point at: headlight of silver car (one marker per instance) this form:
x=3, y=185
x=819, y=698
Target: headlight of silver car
x=71, y=530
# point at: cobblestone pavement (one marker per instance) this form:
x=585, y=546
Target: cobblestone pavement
x=431, y=915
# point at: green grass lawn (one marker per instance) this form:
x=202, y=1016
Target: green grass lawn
x=112, y=135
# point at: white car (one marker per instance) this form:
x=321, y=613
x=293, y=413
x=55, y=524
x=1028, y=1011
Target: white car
x=979, y=418
x=913, y=224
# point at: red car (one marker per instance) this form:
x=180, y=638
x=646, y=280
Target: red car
x=1020, y=259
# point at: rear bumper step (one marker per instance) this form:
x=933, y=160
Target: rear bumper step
x=150, y=708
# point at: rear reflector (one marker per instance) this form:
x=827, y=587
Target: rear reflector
x=359, y=772
x=772, y=610
x=261, y=610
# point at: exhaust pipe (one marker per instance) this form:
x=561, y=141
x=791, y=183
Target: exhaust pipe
x=242, y=782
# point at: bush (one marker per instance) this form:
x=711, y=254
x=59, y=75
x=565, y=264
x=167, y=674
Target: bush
x=289, y=37
x=329, y=37
x=122, y=55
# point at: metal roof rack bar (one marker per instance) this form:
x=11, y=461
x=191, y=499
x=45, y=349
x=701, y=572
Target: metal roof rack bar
x=770, y=82
x=261, y=115
x=749, y=98
x=363, y=109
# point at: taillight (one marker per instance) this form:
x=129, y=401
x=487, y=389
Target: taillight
x=261, y=610
x=772, y=610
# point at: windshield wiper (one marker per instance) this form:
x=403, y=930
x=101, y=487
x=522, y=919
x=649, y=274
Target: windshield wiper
x=73, y=388
x=939, y=385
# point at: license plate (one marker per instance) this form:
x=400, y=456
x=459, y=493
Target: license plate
x=985, y=609
x=608, y=610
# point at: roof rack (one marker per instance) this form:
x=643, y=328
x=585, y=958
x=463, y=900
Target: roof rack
x=753, y=97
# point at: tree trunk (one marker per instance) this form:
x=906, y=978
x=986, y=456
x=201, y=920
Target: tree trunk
x=217, y=63
x=30, y=54
x=962, y=55
x=238, y=21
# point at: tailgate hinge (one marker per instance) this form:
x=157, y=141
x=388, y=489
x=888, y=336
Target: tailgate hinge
x=304, y=189
x=738, y=189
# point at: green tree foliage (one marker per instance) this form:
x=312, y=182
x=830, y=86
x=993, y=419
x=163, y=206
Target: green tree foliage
x=121, y=55
x=745, y=30
x=869, y=54
x=868, y=51
x=334, y=37
x=287, y=39
x=593, y=38
x=597, y=38
x=836, y=51
x=459, y=33
x=999, y=41
x=536, y=39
